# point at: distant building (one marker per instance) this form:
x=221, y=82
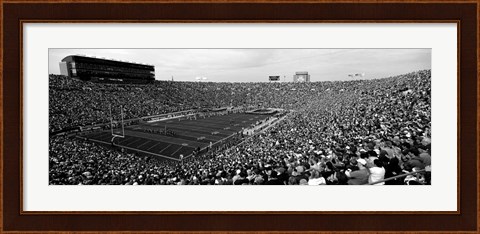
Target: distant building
x=105, y=70
x=301, y=77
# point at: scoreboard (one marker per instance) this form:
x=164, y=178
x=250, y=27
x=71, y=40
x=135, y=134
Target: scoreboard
x=274, y=78
x=301, y=77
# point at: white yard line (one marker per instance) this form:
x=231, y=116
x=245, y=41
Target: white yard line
x=159, y=155
x=153, y=146
x=147, y=141
x=165, y=148
x=134, y=141
x=177, y=150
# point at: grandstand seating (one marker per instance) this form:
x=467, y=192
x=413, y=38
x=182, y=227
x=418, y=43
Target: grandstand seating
x=332, y=127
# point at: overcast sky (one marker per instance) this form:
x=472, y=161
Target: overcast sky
x=255, y=65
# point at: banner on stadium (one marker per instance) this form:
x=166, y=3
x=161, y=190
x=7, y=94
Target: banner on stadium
x=274, y=78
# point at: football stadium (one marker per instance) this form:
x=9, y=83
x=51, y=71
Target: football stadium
x=112, y=123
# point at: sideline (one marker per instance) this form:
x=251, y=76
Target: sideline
x=133, y=149
x=276, y=122
x=263, y=130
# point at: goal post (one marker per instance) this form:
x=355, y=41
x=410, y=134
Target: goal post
x=114, y=131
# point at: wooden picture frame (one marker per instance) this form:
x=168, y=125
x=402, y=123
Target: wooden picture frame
x=15, y=13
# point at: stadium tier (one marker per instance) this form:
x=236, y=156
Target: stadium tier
x=104, y=70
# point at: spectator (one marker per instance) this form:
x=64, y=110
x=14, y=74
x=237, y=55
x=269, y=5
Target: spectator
x=360, y=176
x=377, y=173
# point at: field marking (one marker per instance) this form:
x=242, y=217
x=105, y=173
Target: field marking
x=163, y=138
x=272, y=123
x=216, y=121
x=177, y=150
x=209, y=145
x=134, y=141
x=186, y=128
x=201, y=127
x=147, y=141
x=165, y=148
x=139, y=150
x=123, y=140
x=153, y=145
x=188, y=131
x=195, y=133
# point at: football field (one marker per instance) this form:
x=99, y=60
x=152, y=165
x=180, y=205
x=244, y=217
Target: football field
x=173, y=137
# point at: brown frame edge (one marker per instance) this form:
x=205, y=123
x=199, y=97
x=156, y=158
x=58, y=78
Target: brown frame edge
x=23, y=212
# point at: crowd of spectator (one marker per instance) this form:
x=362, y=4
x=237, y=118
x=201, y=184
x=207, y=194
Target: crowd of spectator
x=338, y=133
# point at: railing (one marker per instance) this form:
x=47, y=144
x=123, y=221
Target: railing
x=398, y=176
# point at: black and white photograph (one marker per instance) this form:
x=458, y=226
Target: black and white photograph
x=286, y=116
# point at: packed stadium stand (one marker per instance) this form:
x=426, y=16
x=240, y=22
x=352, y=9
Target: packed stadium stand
x=335, y=133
